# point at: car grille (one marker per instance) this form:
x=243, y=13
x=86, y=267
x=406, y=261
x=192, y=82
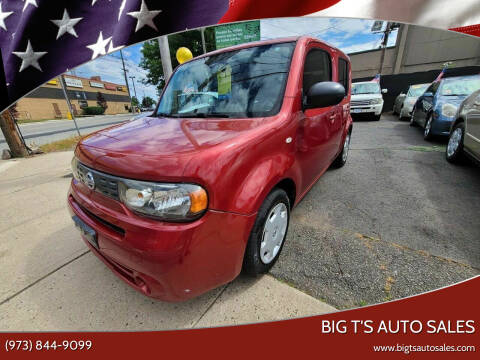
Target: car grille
x=104, y=184
x=359, y=102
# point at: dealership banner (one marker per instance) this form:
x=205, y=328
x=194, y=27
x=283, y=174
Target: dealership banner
x=442, y=324
x=42, y=39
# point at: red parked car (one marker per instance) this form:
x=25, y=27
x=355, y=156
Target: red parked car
x=179, y=202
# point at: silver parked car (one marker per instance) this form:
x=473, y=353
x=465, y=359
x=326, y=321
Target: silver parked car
x=403, y=105
x=465, y=131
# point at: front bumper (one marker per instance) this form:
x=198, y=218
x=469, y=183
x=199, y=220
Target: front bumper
x=406, y=111
x=167, y=261
x=441, y=125
x=366, y=109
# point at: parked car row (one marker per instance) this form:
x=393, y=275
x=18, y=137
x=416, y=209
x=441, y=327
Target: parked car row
x=447, y=107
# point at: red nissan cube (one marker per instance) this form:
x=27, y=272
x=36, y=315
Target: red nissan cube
x=179, y=202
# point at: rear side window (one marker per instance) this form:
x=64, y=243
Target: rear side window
x=317, y=68
x=343, y=73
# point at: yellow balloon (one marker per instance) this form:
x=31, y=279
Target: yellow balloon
x=184, y=54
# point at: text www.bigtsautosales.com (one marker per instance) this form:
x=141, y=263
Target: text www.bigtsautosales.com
x=47, y=345
x=407, y=349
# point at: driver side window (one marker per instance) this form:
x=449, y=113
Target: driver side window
x=317, y=68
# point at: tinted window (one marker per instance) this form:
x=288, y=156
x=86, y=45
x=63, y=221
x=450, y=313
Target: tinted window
x=243, y=83
x=317, y=68
x=343, y=73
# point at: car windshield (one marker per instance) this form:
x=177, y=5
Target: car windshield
x=248, y=82
x=417, y=90
x=365, y=88
x=460, y=87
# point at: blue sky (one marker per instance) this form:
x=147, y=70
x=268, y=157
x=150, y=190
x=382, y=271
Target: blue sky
x=350, y=35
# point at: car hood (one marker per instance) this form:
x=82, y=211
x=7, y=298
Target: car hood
x=366, y=96
x=454, y=100
x=151, y=147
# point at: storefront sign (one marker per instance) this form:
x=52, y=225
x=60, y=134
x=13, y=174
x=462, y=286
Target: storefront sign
x=234, y=34
x=73, y=82
x=110, y=87
x=122, y=88
x=96, y=84
x=52, y=82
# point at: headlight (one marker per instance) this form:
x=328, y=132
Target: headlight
x=449, y=110
x=376, y=101
x=175, y=202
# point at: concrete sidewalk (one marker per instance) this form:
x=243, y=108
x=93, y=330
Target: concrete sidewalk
x=50, y=281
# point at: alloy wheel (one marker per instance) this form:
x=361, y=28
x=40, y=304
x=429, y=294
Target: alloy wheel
x=454, y=142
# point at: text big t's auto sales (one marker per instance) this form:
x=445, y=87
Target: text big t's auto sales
x=398, y=326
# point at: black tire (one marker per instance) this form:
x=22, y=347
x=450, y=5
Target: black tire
x=252, y=262
x=412, y=119
x=457, y=156
x=341, y=160
x=377, y=117
x=427, y=133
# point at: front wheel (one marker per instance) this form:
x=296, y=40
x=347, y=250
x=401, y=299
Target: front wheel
x=454, y=149
x=376, y=117
x=268, y=234
x=341, y=159
x=427, y=132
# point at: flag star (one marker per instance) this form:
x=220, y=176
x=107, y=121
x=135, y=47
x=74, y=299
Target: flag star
x=111, y=48
x=144, y=17
x=94, y=1
x=66, y=24
x=99, y=47
x=122, y=7
x=3, y=16
x=29, y=57
x=29, y=2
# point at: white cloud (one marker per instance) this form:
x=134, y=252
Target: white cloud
x=109, y=68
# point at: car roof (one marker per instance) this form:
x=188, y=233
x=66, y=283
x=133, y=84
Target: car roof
x=304, y=39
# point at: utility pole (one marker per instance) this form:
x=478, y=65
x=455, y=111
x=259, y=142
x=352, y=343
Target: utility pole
x=12, y=136
x=126, y=79
x=165, y=56
x=388, y=29
x=70, y=109
x=134, y=91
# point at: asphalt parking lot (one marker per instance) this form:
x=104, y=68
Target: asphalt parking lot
x=395, y=221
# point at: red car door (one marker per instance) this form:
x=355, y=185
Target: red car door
x=317, y=126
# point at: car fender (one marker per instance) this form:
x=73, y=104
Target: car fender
x=261, y=180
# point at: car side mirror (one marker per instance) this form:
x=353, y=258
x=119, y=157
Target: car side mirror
x=384, y=91
x=428, y=94
x=324, y=94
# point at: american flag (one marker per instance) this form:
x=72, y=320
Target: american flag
x=376, y=78
x=40, y=39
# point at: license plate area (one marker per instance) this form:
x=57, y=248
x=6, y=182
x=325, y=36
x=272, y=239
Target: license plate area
x=89, y=233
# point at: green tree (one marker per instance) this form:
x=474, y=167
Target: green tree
x=153, y=64
x=135, y=101
x=147, y=102
x=101, y=101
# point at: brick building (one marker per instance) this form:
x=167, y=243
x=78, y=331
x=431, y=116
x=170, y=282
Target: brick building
x=48, y=101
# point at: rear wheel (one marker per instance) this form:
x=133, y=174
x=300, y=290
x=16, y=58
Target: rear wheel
x=341, y=159
x=376, y=117
x=268, y=234
x=412, y=118
x=454, y=152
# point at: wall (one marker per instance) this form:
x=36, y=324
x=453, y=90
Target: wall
x=39, y=103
